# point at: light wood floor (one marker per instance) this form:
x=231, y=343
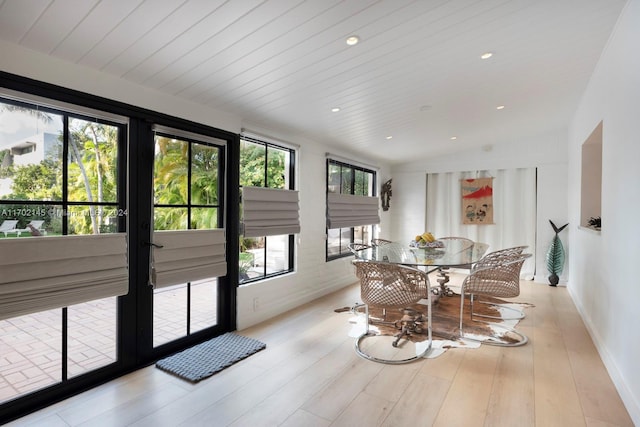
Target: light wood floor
x=309, y=375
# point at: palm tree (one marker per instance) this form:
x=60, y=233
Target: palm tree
x=171, y=186
x=93, y=149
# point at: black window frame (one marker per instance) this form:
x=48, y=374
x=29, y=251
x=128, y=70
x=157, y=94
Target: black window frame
x=292, y=186
x=189, y=205
x=119, y=205
x=352, y=186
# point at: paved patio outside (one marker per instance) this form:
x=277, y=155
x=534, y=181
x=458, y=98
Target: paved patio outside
x=31, y=345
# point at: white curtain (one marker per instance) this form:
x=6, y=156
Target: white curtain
x=514, y=210
x=186, y=255
x=269, y=211
x=43, y=273
x=346, y=210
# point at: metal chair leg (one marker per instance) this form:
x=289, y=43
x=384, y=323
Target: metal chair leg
x=492, y=340
x=366, y=334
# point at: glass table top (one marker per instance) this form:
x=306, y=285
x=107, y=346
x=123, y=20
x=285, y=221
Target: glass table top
x=455, y=253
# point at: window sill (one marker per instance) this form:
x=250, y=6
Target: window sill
x=589, y=229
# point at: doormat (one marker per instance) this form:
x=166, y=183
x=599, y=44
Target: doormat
x=210, y=357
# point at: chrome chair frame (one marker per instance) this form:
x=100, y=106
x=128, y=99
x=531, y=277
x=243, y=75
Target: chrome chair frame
x=355, y=247
x=380, y=242
x=498, y=277
x=506, y=254
x=393, y=286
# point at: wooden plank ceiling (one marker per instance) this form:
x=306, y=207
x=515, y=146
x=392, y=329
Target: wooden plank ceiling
x=416, y=74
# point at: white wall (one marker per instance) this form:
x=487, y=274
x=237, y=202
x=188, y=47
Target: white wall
x=313, y=277
x=603, y=272
x=547, y=152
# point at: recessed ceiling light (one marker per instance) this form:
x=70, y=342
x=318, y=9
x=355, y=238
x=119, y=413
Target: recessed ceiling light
x=335, y=109
x=353, y=40
x=389, y=137
x=453, y=138
x=486, y=55
x=500, y=107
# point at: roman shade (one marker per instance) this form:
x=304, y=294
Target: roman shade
x=347, y=210
x=183, y=256
x=43, y=273
x=269, y=211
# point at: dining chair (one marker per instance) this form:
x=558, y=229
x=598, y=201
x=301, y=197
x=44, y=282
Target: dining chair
x=498, y=278
x=490, y=259
x=507, y=252
x=393, y=286
x=380, y=242
x=355, y=247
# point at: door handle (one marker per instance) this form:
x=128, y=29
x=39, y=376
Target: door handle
x=154, y=245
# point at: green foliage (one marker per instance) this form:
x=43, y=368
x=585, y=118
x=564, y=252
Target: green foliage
x=92, y=177
x=245, y=262
x=204, y=174
x=92, y=173
x=171, y=184
x=348, y=180
x=37, y=181
x=252, y=166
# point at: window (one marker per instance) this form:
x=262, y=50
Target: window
x=61, y=173
x=186, y=184
x=265, y=164
x=61, y=170
x=343, y=178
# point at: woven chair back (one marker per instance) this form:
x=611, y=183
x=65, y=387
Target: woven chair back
x=390, y=285
x=380, y=242
x=464, y=242
x=497, y=277
x=354, y=247
x=501, y=254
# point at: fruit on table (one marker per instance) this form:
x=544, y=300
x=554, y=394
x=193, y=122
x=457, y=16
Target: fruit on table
x=425, y=237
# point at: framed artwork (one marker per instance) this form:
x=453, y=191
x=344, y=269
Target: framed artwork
x=477, y=200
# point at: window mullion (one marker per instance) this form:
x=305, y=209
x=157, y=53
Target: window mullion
x=66, y=135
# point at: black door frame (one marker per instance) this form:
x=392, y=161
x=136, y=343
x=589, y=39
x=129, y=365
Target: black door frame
x=141, y=217
x=130, y=333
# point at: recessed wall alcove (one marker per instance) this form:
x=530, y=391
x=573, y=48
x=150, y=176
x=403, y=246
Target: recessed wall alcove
x=591, y=186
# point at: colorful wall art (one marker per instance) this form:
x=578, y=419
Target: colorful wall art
x=477, y=200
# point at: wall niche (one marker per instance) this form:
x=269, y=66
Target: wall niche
x=591, y=187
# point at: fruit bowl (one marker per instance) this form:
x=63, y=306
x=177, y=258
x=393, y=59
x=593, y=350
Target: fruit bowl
x=426, y=240
x=436, y=244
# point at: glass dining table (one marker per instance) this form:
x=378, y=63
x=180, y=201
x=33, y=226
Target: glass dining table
x=454, y=253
